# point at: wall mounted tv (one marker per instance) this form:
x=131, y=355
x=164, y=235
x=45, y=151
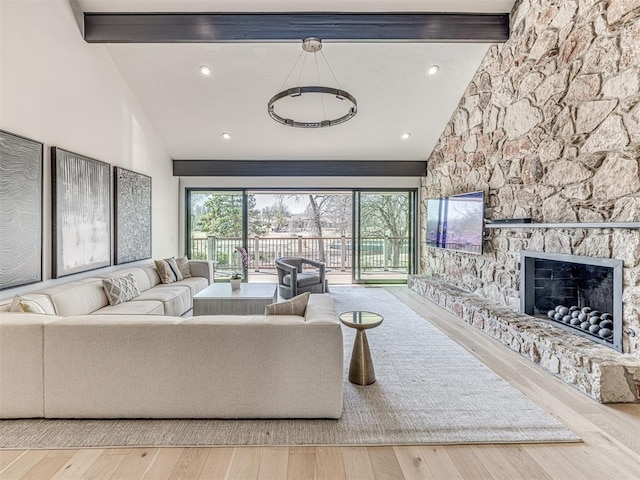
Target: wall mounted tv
x=456, y=222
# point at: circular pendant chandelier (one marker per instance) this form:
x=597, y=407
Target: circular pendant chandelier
x=344, y=110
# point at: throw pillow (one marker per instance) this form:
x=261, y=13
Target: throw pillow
x=168, y=270
x=32, y=304
x=183, y=266
x=174, y=268
x=120, y=289
x=296, y=306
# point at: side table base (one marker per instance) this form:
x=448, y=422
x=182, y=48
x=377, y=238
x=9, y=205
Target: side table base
x=361, y=370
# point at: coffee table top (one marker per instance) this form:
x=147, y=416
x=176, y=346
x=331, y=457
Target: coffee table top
x=248, y=291
x=361, y=319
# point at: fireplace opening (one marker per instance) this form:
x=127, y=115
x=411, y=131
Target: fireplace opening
x=579, y=294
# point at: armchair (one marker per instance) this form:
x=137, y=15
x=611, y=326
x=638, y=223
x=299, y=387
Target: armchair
x=293, y=280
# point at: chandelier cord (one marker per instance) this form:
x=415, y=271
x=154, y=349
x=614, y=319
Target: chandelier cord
x=331, y=70
x=315, y=57
x=304, y=60
x=291, y=71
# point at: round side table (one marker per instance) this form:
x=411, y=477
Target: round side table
x=361, y=370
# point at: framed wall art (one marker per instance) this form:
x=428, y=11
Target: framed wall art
x=20, y=210
x=81, y=211
x=132, y=209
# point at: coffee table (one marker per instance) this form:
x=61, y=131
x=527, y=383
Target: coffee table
x=219, y=299
x=361, y=370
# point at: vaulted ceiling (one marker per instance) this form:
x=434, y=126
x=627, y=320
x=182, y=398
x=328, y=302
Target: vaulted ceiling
x=388, y=78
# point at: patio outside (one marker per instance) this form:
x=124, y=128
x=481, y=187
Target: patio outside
x=310, y=225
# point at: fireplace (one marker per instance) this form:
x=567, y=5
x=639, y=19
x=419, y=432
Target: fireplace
x=580, y=294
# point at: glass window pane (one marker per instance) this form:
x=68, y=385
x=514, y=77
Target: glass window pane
x=216, y=228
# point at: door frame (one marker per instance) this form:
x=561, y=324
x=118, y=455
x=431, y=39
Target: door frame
x=355, y=235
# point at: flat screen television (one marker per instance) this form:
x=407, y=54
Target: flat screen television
x=456, y=222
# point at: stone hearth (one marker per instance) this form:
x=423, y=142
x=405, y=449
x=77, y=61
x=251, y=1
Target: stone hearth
x=602, y=373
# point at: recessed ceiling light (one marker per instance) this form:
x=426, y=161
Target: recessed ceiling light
x=406, y=135
x=226, y=135
x=433, y=69
x=205, y=70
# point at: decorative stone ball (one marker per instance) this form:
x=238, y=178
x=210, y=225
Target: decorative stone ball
x=585, y=325
x=575, y=321
x=566, y=318
x=594, y=320
x=563, y=311
x=558, y=316
x=575, y=314
x=594, y=328
x=605, y=333
x=582, y=317
x=595, y=313
x=586, y=309
x=606, y=316
x=551, y=314
x=573, y=308
x=606, y=324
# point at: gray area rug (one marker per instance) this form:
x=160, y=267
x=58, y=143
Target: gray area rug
x=429, y=390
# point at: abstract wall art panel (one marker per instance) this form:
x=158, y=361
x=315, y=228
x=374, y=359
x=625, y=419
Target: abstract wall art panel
x=20, y=210
x=133, y=215
x=81, y=210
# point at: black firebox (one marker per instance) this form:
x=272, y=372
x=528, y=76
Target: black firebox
x=578, y=293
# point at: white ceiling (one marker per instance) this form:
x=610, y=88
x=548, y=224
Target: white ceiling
x=394, y=95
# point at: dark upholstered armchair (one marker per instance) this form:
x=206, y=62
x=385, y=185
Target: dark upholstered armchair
x=293, y=280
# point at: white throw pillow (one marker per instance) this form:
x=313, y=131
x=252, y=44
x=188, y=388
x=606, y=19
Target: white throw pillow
x=32, y=304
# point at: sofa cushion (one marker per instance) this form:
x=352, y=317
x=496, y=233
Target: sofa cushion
x=151, y=307
x=183, y=266
x=77, y=298
x=33, y=303
x=120, y=289
x=195, y=284
x=296, y=306
x=175, y=299
x=304, y=279
x=152, y=276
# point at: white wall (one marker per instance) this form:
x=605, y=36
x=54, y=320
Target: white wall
x=61, y=91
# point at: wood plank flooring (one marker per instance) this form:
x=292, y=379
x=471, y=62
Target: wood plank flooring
x=611, y=434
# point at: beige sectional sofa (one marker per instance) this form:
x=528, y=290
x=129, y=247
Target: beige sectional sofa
x=83, y=297
x=140, y=359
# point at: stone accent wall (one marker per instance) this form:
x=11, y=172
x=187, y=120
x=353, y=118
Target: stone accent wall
x=549, y=128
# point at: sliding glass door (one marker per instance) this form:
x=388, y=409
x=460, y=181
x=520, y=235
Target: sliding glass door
x=384, y=236
x=215, y=227
x=362, y=236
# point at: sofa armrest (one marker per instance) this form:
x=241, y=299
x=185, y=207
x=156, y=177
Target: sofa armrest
x=203, y=268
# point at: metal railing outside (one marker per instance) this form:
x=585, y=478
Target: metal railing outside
x=383, y=253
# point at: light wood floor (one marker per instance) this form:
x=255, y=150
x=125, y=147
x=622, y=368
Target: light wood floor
x=611, y=434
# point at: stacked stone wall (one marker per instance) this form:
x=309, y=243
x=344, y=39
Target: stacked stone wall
x=549, y=128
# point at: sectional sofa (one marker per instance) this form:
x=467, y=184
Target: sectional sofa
x=140, y=359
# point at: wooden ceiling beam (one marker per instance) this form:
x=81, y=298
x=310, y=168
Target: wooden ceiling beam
x=298, y=168
x=294, y=27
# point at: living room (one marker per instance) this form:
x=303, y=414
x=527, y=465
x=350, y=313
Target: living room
x=546, y=123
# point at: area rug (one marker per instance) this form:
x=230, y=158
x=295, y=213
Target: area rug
x=429, y=390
